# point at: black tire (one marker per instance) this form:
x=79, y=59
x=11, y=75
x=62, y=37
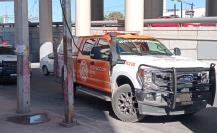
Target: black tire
x=125, y=105
x=45, y=71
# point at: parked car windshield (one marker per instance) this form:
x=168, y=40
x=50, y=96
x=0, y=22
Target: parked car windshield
x=6, y=51
x=141, y=47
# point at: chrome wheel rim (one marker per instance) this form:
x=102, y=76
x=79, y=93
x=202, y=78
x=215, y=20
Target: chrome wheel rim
x=127, y=104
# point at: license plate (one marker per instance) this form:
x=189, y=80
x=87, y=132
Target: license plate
x=186, y=97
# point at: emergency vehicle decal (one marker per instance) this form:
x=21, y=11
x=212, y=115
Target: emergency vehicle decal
x=83, y=70
x=132, y=64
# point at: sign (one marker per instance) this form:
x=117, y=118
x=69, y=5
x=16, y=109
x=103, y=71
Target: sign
x=189, y=12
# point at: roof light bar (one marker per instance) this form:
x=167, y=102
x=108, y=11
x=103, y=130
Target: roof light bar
x=122, y=32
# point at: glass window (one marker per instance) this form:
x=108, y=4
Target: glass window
x=103, y=42
x=51, y=56
x=89, y=44
x=6, y=51
x=141, y=47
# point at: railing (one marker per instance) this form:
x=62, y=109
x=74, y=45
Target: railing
x=120, y=23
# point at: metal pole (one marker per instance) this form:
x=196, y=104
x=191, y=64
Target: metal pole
x=192, y=9
x=22, y=44
x=174, y=9
x=181, y=10
x=68, y=70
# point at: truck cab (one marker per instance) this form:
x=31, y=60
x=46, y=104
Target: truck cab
x=140, y=76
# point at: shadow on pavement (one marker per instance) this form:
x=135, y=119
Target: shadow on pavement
x=46, y=92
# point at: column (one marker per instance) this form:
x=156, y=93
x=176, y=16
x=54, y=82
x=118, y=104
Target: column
x=22, y=45
x=45, y=29
x=211, y=9
x=153, y=8
x=134, y=15
x=82, y=17
x=97, y=10
x=68, y=66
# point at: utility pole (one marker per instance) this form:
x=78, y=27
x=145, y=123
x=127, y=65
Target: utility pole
x=68, y=72
x=22, y=44
x=181, y=9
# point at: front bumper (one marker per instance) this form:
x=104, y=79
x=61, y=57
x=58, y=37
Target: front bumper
x=8, y=70
x=171, y=101
x=157, y=104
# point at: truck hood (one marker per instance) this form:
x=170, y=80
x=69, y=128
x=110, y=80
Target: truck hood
x=8, y=58
x=164, y=61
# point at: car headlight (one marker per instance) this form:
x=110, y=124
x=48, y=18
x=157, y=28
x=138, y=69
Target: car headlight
x=148, y=77
x=204, y=77
x=162, y=78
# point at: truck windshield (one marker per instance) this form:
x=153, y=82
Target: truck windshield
x=6, y=51
x=141, y=47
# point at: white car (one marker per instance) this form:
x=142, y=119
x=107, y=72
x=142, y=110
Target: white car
x=47, y=64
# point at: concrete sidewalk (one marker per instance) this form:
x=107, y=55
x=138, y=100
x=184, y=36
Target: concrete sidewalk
x=8, y=108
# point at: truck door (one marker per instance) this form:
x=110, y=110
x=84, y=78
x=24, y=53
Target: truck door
x=91, y=72
x=100, y=69
x=83, y=73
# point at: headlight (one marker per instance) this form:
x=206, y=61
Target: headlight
x=204, y=77
x=162, y=78
x=147, y=77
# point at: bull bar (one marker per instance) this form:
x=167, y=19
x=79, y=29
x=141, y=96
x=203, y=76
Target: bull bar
x=173, y=91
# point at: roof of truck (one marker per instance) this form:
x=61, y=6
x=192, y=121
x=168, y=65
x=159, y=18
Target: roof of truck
x=129, y=36
x=126, y=36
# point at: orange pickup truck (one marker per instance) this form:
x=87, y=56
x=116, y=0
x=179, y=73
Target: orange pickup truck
x=140, y=76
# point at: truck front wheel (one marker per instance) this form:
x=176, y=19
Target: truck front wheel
x=125, y=105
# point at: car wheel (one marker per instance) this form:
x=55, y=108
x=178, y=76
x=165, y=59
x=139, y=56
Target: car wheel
x=45, y=71
x=125, y=105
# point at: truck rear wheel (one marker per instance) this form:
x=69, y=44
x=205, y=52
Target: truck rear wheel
x=45, y=70
x=125, y=105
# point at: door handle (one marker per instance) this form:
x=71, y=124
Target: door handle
x=79, y=61
x=92, y=63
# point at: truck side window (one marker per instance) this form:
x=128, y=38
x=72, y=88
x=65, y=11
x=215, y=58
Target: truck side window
x=89, y=44
x=103, y=42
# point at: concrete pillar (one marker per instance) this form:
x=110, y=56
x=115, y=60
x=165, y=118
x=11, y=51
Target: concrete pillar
x=45, y=29
x=97, y=10
x=22, y=46
x=153, y=8
x=211, y=9
x=134, y=15
x=82, y=17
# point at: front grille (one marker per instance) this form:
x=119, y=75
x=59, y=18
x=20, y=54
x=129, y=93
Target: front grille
x=191, y=82
x=9, y=67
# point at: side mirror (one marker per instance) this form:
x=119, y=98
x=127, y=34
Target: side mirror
x=177, y=51
x=51, y=56
x=100, y=53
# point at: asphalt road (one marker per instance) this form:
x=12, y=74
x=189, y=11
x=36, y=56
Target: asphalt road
x=46, y=93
